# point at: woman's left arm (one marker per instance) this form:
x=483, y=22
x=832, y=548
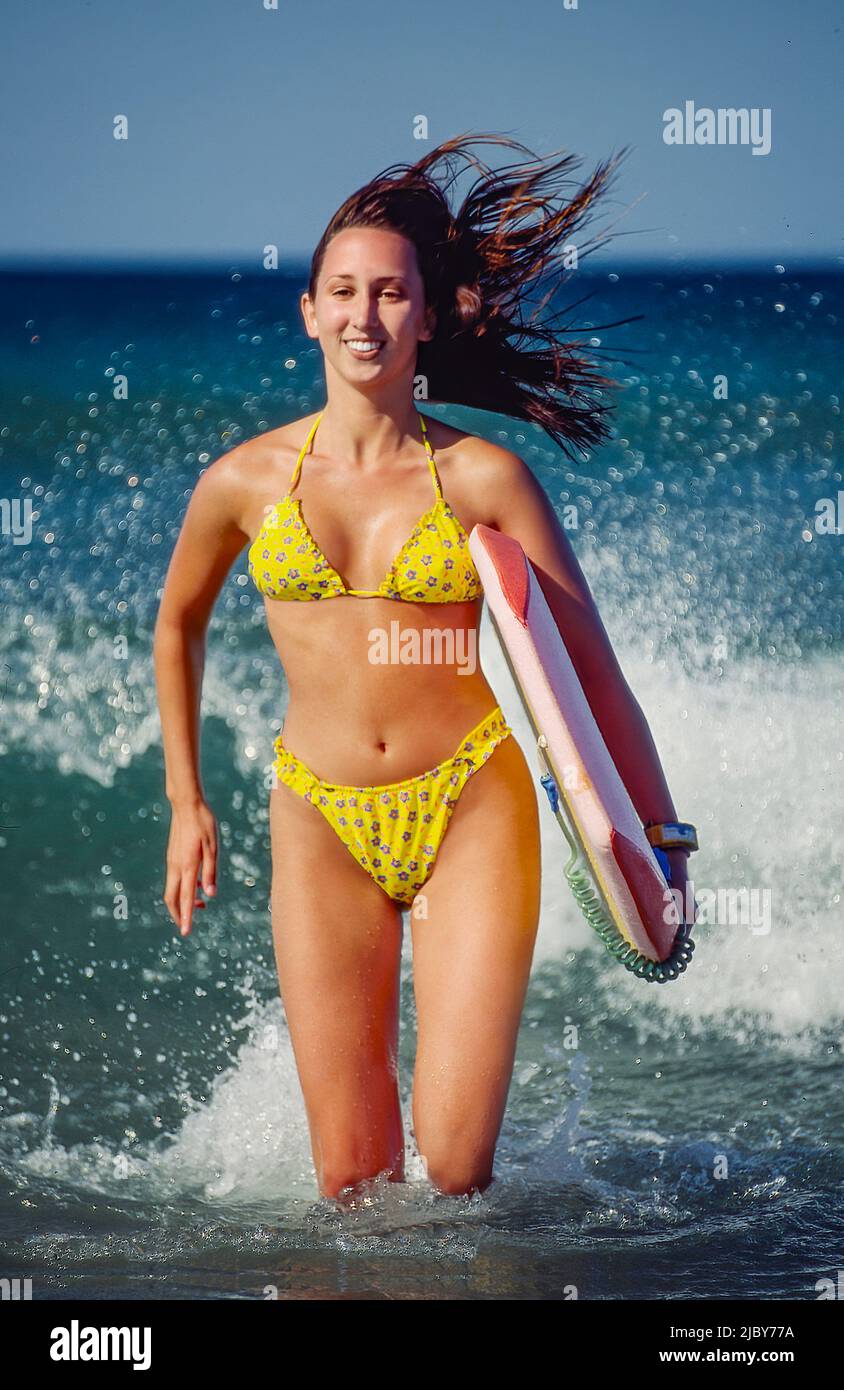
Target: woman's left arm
x=520, y=508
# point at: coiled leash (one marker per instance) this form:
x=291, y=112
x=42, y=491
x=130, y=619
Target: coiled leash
x=580, y=882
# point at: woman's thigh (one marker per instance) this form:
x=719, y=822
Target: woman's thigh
x=472, y=957
x=337, y=939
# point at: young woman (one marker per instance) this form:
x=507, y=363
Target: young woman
x=398, y=784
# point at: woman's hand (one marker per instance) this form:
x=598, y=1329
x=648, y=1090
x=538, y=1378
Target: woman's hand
x=679, y=861
x=191, y=861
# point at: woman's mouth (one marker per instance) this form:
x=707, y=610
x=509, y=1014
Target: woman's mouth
x=363, y=348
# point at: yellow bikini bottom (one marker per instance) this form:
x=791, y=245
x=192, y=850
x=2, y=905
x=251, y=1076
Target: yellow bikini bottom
x=395, y=831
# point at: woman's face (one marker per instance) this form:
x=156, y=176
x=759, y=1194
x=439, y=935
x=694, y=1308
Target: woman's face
x=369, y=291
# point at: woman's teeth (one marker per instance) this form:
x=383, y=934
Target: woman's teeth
x=364, y=347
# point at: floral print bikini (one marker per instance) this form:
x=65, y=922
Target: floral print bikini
x=393, y=831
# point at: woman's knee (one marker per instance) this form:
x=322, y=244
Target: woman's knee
x=455, y=1173
x=339, y=1174
x=457, y=1162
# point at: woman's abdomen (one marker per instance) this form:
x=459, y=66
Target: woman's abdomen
x=382, y=693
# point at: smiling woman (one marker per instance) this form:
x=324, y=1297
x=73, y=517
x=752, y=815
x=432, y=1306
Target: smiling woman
x=424, y=798
x=479, y=268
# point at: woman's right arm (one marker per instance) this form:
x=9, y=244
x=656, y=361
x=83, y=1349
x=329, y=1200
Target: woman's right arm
x=209, y=542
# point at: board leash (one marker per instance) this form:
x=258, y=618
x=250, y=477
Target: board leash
x=580, y=882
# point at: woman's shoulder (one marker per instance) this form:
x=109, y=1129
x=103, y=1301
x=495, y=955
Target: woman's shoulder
x=252, y=470
x=268, y=445
x=247, y=464
x=481, y=479
x=475, y=470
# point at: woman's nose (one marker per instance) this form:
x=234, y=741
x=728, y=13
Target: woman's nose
x=366, y=310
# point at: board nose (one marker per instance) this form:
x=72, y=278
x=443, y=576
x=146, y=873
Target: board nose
x=508, y=558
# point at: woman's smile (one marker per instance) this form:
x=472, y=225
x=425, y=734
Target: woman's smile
x=364, y=348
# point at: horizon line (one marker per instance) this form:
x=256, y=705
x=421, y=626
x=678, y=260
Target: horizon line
x=244, y=266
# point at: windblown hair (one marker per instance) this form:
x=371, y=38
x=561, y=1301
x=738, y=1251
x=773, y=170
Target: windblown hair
x=481, y=267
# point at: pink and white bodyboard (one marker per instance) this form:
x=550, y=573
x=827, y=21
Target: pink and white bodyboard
x=625, y=869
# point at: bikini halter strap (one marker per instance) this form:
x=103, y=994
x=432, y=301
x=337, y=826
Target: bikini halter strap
x=304, y=449
x=430, y=453
x=434, y=475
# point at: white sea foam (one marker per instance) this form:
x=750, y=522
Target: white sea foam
x=753, y=757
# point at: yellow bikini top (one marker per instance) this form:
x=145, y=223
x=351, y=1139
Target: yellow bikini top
x=433, y=566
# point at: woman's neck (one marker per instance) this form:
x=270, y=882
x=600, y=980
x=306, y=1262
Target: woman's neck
x=366, y=428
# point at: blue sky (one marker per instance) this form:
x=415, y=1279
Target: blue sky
x=248, y=125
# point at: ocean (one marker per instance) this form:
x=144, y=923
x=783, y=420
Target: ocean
x=677, y=1141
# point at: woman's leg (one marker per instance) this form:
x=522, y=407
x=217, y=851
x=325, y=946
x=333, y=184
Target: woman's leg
x=337, y=939
x=472, y=956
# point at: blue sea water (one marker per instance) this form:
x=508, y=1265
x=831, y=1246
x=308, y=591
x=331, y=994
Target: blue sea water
x=660, y=1142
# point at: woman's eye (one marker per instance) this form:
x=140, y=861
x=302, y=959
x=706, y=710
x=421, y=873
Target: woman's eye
x=344, y=289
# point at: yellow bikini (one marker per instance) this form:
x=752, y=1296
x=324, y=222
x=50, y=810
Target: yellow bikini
x=433, y=566
x=394, y=831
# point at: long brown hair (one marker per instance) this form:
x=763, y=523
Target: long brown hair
x=480, y=267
